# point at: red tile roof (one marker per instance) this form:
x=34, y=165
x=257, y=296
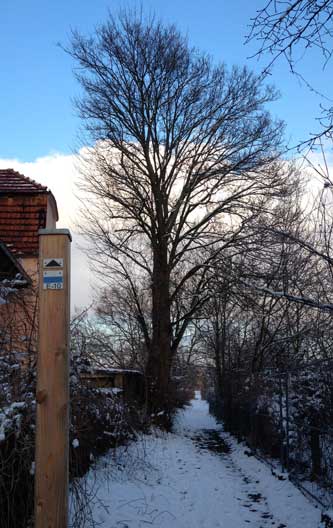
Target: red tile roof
x=14, y=182
x=23, y=211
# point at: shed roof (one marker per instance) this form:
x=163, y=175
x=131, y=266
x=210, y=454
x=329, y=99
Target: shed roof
x=107, y=372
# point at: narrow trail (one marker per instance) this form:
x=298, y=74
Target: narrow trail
x=250, y=498
x=196, y=477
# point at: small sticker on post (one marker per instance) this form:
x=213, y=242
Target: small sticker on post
x=53, y=263
x=53, y=280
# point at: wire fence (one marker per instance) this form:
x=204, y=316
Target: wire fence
x=286, y=415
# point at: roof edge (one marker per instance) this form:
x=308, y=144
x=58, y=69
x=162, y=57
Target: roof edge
x=36, y=187
x=16, y=263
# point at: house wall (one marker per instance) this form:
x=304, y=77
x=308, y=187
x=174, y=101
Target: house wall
x=18, y=329
x=52, y=212
x=21, y=217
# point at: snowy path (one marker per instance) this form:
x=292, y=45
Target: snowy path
x=174, y=481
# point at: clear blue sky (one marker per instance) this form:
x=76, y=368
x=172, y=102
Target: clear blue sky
x=36, y=81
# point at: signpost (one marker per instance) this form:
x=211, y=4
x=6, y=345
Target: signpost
x=52, y=398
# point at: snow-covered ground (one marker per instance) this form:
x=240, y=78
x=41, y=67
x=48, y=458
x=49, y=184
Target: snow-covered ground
x=173, y=481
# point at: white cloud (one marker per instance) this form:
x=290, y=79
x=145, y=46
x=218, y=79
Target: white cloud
x=59, y=173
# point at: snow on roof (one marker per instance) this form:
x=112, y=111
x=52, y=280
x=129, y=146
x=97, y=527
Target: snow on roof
x=109, y=371
x=11, y=271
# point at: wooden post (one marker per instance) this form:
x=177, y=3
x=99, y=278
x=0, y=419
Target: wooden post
x=52, y=397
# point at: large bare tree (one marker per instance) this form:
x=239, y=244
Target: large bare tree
x=183, y=155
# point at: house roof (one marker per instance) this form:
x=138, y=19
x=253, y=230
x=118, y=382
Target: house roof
x=23, y=211
x=12, y=182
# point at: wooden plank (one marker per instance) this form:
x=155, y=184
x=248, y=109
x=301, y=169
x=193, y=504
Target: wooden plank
x=51, y=479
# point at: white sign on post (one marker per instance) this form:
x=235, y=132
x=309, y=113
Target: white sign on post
x=53, y=280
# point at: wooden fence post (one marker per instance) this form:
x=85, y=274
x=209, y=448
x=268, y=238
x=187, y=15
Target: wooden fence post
x=52, y=397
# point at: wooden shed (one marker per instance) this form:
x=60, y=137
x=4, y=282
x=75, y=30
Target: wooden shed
x=129, y=383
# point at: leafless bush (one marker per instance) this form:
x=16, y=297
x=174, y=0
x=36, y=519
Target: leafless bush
x=98, y=421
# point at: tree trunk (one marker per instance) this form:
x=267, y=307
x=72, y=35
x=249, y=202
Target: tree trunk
x=160, y=355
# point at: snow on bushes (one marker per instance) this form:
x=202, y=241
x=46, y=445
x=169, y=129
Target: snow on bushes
x=99, y=420
x=287, y=415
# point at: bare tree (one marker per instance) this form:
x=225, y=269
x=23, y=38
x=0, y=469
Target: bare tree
x=274, y=350
x=311, y=240
x=184, y=155
x=288, y=29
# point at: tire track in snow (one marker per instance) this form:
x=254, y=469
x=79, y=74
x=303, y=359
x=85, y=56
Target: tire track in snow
x=252, y=499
